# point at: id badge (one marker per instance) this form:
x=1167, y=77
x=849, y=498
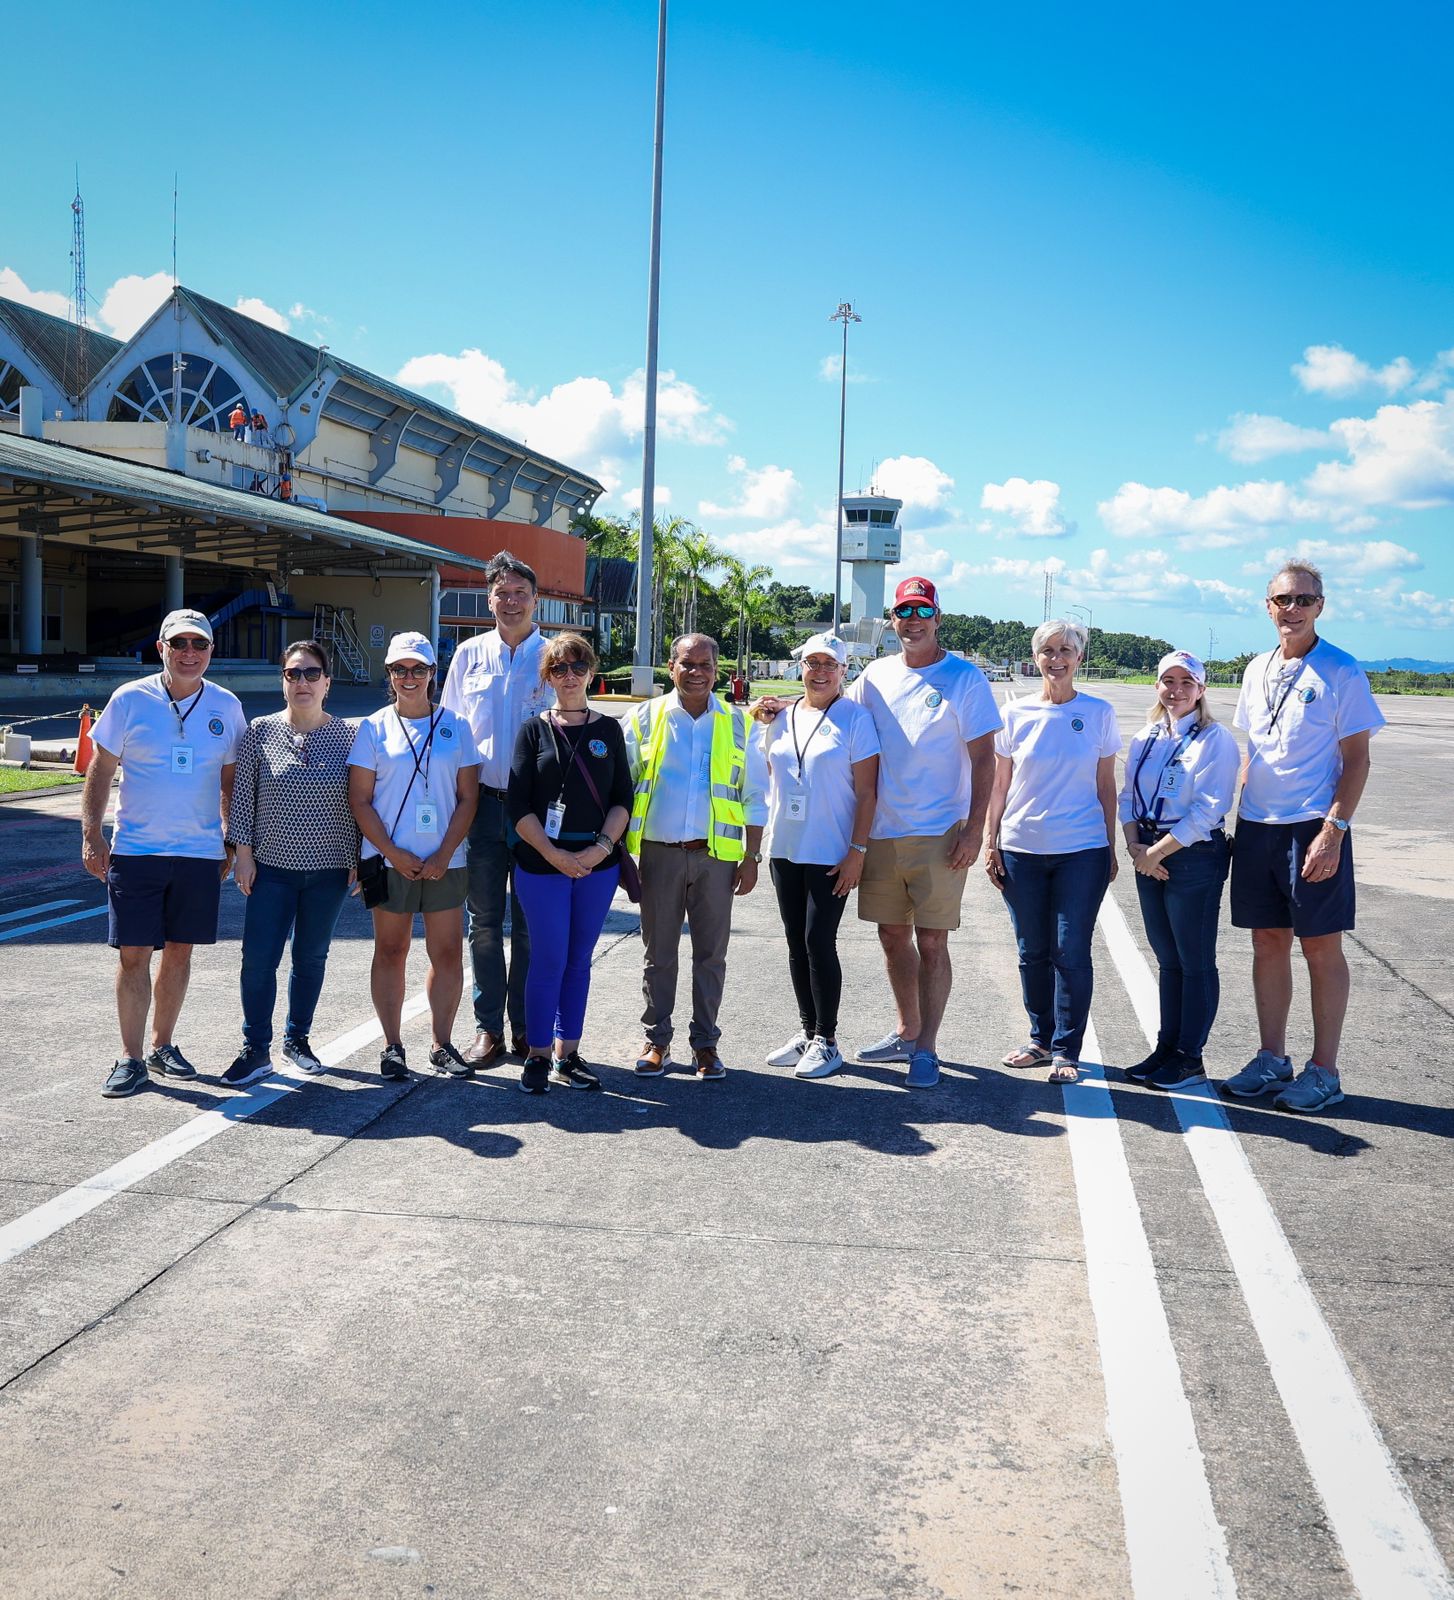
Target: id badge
x=1171, y=782
x=554, y=819
x=182, y=758
x=426, y=817
x=795, y=805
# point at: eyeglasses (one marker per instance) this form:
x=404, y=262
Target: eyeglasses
x=397, y=671
x=302, y=674
x=569, y=669
x=1285, y=602
x=903, y=613
x=188, y=643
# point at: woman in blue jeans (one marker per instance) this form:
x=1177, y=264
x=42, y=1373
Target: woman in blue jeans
x=1051, y=828
x=297, y=854
x=569, y=800
x=1180, y=777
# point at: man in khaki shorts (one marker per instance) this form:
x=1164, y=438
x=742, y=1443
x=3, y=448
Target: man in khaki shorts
x=936, y=719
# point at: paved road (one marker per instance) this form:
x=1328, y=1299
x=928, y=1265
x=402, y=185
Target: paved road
x=758, y=1338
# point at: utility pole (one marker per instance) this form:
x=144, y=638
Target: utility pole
x=81, y=368
x=844, y=314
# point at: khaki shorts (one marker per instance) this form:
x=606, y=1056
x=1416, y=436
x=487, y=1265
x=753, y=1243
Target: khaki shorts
x=910, y=881
x=408, y=895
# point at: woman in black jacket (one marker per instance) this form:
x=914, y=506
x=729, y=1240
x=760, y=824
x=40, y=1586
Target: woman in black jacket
x=569, y=801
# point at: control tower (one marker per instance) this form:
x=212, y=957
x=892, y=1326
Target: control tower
x=870, y=544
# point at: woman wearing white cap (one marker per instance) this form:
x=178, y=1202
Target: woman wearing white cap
x=822, y=755
x=413, y=786
x=1180, y=778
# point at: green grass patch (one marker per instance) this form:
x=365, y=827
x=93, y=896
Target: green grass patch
x=16, y=780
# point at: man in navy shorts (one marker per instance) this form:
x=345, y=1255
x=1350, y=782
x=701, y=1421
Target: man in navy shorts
x=175, y=738
x=1308, y=713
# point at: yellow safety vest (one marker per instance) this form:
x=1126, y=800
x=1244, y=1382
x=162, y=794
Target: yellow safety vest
x=727, y=835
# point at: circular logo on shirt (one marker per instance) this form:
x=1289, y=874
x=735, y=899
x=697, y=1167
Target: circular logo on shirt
x=933, y=699
x=1308, y=696
x=1078, y=723
x=446, y=733
x=214, y=727
x=597, y=747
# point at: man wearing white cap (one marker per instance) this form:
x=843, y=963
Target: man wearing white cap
x=174, y=737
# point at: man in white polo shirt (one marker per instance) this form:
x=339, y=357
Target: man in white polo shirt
x=1309, y=714
x=494, y=683
x=936, y=719
x=175, y=738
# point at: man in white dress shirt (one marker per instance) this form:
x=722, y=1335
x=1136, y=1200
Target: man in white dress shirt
x=697, y=817
x=494, y=684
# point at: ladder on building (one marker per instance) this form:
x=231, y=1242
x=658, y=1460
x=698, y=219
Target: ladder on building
x=334, y=626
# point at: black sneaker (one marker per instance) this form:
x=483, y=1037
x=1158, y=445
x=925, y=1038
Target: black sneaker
x=535, y=1075
x=1153, y=1063
x=253, y=1062
x=1181, y=1072
x=572, y=1073
x=447, y=1059
x=300, y=1053
x=167, y=1060
x=391, y=1063
x=126, y=1077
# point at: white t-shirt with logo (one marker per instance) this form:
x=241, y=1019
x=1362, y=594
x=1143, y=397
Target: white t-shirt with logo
x=1294, y=714
x=172, y=756
x=387, y=744
x=810, y=809
x=1053, y=807
x=924, y=717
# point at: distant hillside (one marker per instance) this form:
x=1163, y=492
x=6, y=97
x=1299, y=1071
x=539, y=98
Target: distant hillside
x=1406, y=664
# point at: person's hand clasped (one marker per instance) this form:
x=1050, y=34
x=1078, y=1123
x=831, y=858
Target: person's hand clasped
x=406, y=864
x=1147, y=864
x=994, y=866
x=433, y=869
x=1321, y=861
x=848, y=873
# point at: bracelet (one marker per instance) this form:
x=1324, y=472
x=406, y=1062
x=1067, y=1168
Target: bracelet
x=606, y=842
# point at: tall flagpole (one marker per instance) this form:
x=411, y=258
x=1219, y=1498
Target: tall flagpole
x=844, y=314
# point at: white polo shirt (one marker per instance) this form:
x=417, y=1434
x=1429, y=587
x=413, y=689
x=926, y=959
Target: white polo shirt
x=387, y=744
x=924, y=717
x=1294, y=713
x=681, y=800
x=1053, y=806
x=172, y=756
x=496, y=690
x=1182, y=777
x=810, y=798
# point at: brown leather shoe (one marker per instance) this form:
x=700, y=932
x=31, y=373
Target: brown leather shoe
x=652, y=1061
x=518, y=1045
x=486, y=1050
x=709, y=1064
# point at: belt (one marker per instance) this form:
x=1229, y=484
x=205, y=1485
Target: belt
x=499, y=794
x=680, y=844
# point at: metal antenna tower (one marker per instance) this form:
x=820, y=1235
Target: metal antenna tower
x=1049, y=594
x=81, y=365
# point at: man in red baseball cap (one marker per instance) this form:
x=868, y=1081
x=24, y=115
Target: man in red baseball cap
x=936, y=718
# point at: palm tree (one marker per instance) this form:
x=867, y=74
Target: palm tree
x=759, y=610
x=740, y=582
x=698, y=556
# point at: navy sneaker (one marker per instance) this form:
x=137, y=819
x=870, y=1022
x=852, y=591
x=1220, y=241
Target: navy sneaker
x=126, y=1077
x=1180, y=1072
x=253, y=1062
x=297, y=1049
x=391, y=1062
x=169, y=1062
x=535, y=1075
x=1158, y=1058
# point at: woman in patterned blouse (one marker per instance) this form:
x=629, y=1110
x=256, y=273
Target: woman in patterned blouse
x=297, y=854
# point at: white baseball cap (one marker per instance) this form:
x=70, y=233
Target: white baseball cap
x=410, y=647
x=826, y=644
x=1186, y=661
x=176, y=622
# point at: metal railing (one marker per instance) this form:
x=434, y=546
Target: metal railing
x=334, y=626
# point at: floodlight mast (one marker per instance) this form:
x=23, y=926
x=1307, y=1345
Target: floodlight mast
x=844, y=314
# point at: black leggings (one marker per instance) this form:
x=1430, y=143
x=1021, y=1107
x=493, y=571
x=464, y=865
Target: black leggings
x=811, y=913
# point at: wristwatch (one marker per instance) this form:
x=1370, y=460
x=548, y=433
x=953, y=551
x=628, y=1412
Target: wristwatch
x=861, y=848
x=1337, y=822
x=755, y=855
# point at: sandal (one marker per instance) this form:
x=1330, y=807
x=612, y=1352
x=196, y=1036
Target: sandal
x=1063, y=1070
x=1030, y=1055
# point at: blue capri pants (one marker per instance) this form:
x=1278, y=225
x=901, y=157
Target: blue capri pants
x=565, y=917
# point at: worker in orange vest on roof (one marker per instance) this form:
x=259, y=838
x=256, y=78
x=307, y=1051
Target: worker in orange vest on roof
x=238, y=422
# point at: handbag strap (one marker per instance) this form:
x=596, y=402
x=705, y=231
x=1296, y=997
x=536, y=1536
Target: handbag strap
x=590, y=782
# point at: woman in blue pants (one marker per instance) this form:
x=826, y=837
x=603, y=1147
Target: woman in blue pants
x=569, y=800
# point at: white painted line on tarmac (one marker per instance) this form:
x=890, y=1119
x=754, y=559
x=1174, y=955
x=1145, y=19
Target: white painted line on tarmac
x=25, y=1232
x=1174, y=1542
x=1390, y=1552
x=35, y=911
x=50, y=922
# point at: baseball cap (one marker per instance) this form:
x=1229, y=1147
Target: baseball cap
x=826, y=644
x=410, y=647
x=1186, y=660
x=916, y=589
x=176, y=622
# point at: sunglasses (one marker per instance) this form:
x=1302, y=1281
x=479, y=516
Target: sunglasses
x=396, y=671
x=569, y=669
x=903, y=613
x=1285, y=602
x=302, y=674
x=188, y=643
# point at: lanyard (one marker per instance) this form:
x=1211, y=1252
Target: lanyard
x=573, y=744
x=1154, y=815
x=182, y=716
x=801, y=751
x=421, y=769
x=1274, y=712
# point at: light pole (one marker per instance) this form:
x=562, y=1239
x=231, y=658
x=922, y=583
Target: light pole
x=844, y=314
x=641, y=661
x=1090, y=624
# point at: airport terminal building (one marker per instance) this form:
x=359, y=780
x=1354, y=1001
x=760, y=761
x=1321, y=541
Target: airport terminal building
x=214, y=461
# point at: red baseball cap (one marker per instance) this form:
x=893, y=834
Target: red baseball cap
x=916, y=589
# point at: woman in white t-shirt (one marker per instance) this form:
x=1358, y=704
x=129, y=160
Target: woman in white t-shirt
x=822, y=755
x=1051, y=828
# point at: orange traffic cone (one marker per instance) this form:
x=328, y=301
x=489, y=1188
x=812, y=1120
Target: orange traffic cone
x=84, y=748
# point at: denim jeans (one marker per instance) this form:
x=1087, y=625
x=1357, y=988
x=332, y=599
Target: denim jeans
x=1181, y=917
x=491, y=867
x=566, y=916
x=305, y=904
x=1053, y=900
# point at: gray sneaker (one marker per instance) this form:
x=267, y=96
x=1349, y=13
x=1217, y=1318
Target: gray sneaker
x=1263, y=1074
x=890, y=1048
x=923, y=1070
x=126, y=1077
x=819, y=1060
x=297, y=1049
x=1314, y=1089
x=167, y=1060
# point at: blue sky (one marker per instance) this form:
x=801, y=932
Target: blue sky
x=1150, y=294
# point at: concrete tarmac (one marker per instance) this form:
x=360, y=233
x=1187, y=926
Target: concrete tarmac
x=752, y=1338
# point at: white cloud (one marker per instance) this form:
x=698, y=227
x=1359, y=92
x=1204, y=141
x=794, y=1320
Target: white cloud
x=1359, y=560
x=1250, y=436
x=132, y=299
x=1137, y=511
x=830, y=369
x=261, y=311
x=14, y=287
x=660, y=499
x=766, y=493
x=1140, y=578
x=916, y=481
x=1033, y=508
x=1018, y=569
x=1401, y=456
x=789, y=546
x=1330, y=369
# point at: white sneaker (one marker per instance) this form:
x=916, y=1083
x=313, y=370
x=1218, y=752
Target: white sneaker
x=820, y=1060
x=890, y=1048
x=788, y=1054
